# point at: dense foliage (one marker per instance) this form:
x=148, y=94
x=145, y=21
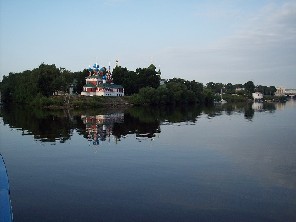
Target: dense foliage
x=47, y=80
x=38, y=85
x=134, y=81
x=245, y=90
x=44, y=81
x=174, y=91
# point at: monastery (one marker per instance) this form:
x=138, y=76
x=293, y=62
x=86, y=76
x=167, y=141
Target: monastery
x=99, y=82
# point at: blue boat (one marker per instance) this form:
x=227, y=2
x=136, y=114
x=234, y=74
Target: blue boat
x=5, y=203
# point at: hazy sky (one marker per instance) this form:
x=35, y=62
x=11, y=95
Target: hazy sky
x=219, y=40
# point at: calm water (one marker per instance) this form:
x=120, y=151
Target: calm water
x=230, y=163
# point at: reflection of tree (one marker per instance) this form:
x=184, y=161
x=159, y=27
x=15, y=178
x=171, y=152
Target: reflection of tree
x=167, y=113
x=136, y=125
x=45, y=126
x=182, y=114
x=247, y=108
x=249, y=112
x=144, y=122
x=269, y=107
x=213, y=111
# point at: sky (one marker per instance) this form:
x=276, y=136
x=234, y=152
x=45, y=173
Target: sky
x=225, y=41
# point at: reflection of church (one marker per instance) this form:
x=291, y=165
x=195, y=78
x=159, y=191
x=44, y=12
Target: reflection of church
x=99, y=127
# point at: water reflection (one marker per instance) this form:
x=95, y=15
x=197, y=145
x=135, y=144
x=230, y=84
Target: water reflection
x=224, y=168
x=257, y=106
x=43, y=126
x=101, y=125
x=248, y=109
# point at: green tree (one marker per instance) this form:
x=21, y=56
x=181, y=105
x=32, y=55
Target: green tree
x=79, y=80
x=249, y=88
x=229, y=88
x=130, y=83
x=214, y=87
x=118, y=74
x=148, y=95
x=47, y=74
x=148, y=77
x=134, y=81
x=272, y=90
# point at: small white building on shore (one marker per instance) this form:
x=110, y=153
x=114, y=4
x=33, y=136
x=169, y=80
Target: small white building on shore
x=257, y=96
x=280, y=91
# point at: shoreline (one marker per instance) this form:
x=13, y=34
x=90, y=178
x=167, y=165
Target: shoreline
x=80, y=102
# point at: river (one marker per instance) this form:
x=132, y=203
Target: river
x=234, y=162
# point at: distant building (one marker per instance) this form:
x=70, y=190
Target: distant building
x=239, y=89
x=99, y=82
x=280, y=91
x=290, y=92
x=257, y=96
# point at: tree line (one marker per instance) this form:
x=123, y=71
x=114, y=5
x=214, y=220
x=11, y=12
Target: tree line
x=143, y=85
x=243, y=89
x=47, y=80
x=145, y=88
x=174, y=91
x=44, y=81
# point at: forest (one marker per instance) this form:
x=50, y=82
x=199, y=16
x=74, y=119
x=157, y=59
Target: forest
x=143, y=86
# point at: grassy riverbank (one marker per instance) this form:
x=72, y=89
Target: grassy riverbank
x=78, y=102
x=82, y=102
